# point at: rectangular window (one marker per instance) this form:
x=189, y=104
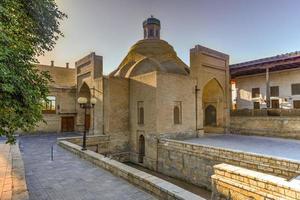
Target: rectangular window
x=296, y=104
x=255, y=92
x=296, y=89
x=275, y=103
x=256, y=105
x=177, y=112
x=274, y=90
x=49, y=106
x=140, y=112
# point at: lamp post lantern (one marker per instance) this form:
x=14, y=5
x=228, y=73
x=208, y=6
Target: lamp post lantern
x=85, y=104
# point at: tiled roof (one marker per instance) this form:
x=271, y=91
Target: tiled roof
x=267, y=60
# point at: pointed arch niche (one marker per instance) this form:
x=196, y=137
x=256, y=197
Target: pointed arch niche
x=213, y=105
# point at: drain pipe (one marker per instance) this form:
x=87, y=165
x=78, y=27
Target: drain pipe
x=157, y=141
x=196, y=106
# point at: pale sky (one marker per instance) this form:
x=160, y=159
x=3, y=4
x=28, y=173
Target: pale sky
x=244, y=29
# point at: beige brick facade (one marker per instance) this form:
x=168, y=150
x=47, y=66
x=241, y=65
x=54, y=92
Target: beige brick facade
x=152, y=94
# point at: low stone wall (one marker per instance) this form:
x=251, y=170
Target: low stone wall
x=152, y=184
x=286, y=127
x=97, y=143
x=12, y=174
x=194, y=162
x=236, y=183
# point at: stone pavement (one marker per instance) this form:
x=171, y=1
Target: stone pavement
x=12, y=178
x=69, y=177
x=5, y=172
x=274, y=147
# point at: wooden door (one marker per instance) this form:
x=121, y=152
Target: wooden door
x=275, y=103
x=210, y=116
x=141, y=148
x=67, y=124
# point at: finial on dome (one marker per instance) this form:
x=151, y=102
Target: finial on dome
x=151, y=28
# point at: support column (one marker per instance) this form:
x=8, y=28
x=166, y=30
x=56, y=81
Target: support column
x=267, y=87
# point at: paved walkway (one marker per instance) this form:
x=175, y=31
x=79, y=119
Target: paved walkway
x=69, y=177
x=12, y=178
x=5, y=172
x=276, y=147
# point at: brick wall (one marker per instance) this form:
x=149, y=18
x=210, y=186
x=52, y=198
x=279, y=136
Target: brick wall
x=194, y=163
x=235, y=183
x=286, y=127
x=97, y=143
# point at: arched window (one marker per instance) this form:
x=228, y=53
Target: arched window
x=141, y=115
x=140, y=108
x=176, y=113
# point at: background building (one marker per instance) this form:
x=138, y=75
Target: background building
x=59, y=112
x=268, y=97
x=275, y=80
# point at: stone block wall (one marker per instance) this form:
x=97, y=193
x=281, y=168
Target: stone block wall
x=194, y=163
x=286, y=127
x=97, y=143
x=235, y=183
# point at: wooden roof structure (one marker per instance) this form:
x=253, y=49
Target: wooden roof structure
x=275, y=63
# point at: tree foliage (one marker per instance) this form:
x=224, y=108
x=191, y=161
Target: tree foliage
x=28, y=28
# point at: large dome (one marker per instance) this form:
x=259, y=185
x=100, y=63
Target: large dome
x=150, y=55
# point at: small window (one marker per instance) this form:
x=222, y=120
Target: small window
x=49, y=106
x=255, y=92
x=177, y=113
x=157, y=33
x=296, y=89
x=296, y=104
x=151, y=32
x=256, y=105
x=274, y=91
x=275, y=103
x=140, y=108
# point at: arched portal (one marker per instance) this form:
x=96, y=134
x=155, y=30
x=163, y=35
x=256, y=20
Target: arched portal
x=141, y=148
x=84, y=121
x=210, y=116
x=213, y=105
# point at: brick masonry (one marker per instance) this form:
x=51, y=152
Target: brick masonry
x=97, y=143
x=286, y=127
x=194, y=163
x=235, y=183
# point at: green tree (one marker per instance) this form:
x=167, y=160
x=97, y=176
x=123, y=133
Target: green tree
x=28, y=28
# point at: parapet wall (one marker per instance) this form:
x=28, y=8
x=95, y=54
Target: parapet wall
x=154, y=185
x=236, y=183
x=283, y=126
x=194, y=163
x=97, y=143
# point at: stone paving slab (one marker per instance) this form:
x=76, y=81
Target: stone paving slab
x=273, y=147
x=69, y=177
x=12, y=178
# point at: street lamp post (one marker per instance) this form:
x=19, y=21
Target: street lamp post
x=85, y=104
